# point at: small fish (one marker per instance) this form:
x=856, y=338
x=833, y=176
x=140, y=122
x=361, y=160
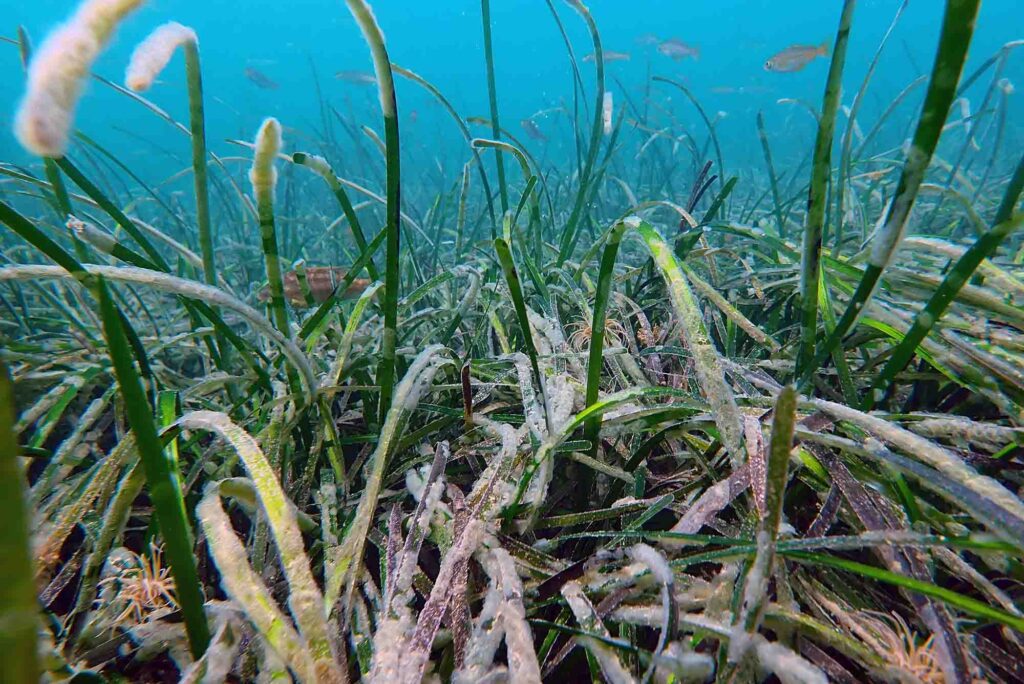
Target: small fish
x=795, y=57
x=648, y=39
x=321, y=281
x=740, y=90
x=260, y=79
x=609, y=56
x=874, y=175
x=360, y=77
x=677, y=49
x=532, y=130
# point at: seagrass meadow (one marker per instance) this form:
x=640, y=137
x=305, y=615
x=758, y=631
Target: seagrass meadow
x=608, y=395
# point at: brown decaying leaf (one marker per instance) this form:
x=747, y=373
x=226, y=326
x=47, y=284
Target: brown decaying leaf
x=457, y=615
x=321, y=281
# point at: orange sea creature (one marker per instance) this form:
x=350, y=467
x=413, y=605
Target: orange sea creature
x=145, y=586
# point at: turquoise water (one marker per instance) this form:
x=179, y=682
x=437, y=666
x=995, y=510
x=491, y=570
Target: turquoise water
x=290, y=42
x=666, y=350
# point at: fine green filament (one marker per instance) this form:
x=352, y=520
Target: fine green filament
x=263, y=177
x=492, y=95
x=389, y=108
x=817, y=202
x=957, y=31
x=197, y=121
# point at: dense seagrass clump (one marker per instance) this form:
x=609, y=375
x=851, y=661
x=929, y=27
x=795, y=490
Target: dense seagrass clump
x=333, y=406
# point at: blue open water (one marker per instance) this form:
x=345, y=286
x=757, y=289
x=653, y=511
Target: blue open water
x=289, y=42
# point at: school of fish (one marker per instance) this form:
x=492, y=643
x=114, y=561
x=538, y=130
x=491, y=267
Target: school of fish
x=322, y=281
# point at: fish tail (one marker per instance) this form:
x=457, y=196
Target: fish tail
x=823, y=49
